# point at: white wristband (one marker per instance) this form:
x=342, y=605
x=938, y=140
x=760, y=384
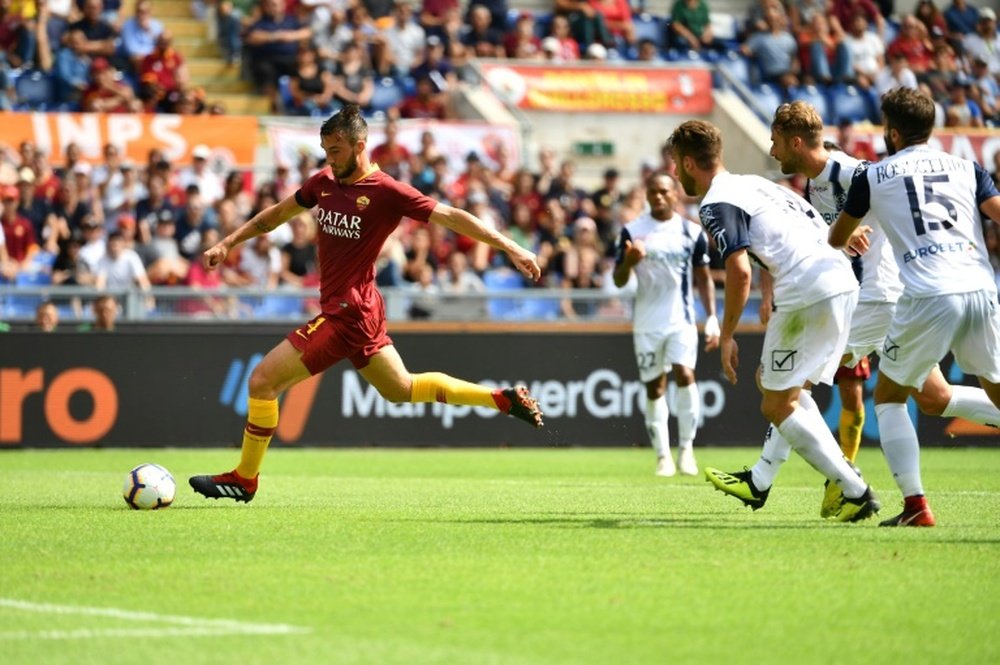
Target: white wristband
x=712, y=327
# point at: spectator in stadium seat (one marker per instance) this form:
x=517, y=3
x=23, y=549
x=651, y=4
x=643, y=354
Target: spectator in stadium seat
x=354, y=81
x=914, y=42
x=960, y=110
x=259, y=264
x=46, y=316
x=434, y=13
x=844, y=12
x=149, y=210
x=774, y=52
x=17, y=39
x=72, y=69
x=961, y=18
x=867, y=51
x=984, y=42
x=801, y=12
x=568, y=49
x=53, y=17
x=201, y=175
x=298, y=257
x=927, y=13
x=423, y=103
x=391, y=155
x=19, y=235
x=106, y=94
x=162, y=254
x=988, y=84
x=94, y=243
x=99, y=36
x=272, y=42
x=163, y=75
x=404, y=36
x=33, y=208
x=691, y=27
x=586, y=22
x=522, y=43
x=120, y=267
x=897, y=75
x=192, y=220
x=480, y=37
x=139, y=34
x=618, y=18
x=436, y=67
x=824, y=56
x=854, y=145
x=312, y=86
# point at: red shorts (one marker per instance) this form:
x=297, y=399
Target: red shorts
x=863, y=370
x=329, y=338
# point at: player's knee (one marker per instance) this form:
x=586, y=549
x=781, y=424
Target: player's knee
x=683, y=376
x=260, y=384
x=932, y=404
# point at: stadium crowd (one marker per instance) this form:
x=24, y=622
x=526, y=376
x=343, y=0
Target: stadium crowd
x=120, y=224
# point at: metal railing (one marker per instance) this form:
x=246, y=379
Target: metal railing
x=190, y=305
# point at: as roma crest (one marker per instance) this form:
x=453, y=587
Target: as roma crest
x=362, y=202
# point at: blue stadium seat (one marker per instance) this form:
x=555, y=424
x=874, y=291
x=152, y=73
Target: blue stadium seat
x=499, y=279
x=848, y=103
x=279, y=307
x=768, y=98
x=816, y=97
x=388, y=93
x=649, y=26
x=737, y=66
x=34, y=91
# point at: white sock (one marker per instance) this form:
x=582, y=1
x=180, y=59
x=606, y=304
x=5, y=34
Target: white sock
x=972, y=404
x=656, y=424
x=775, y=453
x=688, y=404
x=808, y=434
x=900, y=446
x=776, y=449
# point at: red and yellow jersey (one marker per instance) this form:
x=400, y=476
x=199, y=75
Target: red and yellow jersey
x=352, y=223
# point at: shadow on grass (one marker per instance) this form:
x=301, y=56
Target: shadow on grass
x=689, y=520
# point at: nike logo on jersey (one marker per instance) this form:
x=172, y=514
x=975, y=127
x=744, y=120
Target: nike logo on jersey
x=325, y=193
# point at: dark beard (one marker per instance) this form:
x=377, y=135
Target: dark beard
x=351, y=167
x=890, y=149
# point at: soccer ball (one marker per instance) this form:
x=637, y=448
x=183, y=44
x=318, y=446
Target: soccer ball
x=148, y=487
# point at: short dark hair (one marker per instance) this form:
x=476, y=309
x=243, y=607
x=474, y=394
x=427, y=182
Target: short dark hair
x=909, y=112
x=698, y=139
x=347, y=121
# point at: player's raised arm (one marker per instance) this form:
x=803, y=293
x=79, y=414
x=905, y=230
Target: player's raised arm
x=263, y=222
x=467, y=224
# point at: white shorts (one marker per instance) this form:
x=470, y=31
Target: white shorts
x=655, y=352
x=806, y=344
x=925, y=329
x=869, y=324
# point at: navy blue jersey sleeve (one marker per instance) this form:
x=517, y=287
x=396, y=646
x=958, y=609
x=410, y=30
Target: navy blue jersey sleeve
x=985, y=189
x=699, y=256
x=859, y=195
x=729, y=226
x=620, y=251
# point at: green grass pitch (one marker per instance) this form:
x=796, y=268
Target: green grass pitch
x=514, y=557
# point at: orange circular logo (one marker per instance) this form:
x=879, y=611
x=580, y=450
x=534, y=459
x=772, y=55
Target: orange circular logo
x=362, y=202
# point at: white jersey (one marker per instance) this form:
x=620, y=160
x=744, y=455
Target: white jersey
x=928, y=204
x=782, y=233
x=674, y=247
x=876, y=269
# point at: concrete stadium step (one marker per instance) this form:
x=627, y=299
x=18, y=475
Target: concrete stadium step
x=209, y=68
x=233, y=86
x=185, y=27
x=171, y=9
x=240, y=104
x=197, y=47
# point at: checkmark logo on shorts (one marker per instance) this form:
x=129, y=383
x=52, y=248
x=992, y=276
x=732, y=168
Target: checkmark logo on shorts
x=782, y=360
x=890, y=349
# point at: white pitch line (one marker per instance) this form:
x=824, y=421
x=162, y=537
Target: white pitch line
x=193, y=626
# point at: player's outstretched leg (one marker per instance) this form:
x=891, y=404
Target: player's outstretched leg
x=519, y=403
x=230, y=485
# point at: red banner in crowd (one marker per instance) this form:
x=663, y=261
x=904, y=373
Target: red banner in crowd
x=683, y=90
x=233, y=139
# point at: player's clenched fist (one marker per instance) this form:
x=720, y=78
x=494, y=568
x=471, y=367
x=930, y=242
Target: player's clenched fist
x=214, y=256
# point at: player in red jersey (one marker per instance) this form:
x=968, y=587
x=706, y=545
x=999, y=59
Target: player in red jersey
x=356, y=207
